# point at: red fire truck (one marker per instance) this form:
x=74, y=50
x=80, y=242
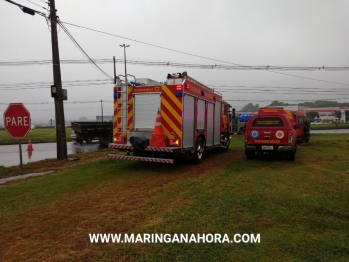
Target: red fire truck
x=190, y=117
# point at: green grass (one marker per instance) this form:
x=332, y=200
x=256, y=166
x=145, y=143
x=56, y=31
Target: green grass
x=36, y=136
x=330, y=126
x=299, y=208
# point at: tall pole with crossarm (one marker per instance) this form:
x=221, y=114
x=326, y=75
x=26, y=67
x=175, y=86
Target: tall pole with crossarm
x=60, y=121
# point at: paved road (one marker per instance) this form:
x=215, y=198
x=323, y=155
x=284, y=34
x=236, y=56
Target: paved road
x=9, y=154
x=331, y=131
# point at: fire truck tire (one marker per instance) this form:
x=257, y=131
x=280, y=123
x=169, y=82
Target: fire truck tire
x=88, y=140
x=199, y=151
x=291, y=156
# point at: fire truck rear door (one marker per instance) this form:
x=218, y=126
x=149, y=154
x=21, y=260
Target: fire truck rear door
x=145, y=109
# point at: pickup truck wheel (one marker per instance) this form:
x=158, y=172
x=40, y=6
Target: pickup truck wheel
x=199, y=151
x=88, y=140
x=250, y=154
x=291, y=155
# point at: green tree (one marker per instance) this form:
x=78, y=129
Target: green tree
x=312, y=115
x=250, y=107
x=278, y=103
x=338, y=114
x=322, y=103
x=83, y=119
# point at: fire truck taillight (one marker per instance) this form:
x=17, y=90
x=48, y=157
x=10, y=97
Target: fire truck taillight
x=290, y=138
x=173, y=142
x=179, y=88
x=186, y=85
x=118, y=139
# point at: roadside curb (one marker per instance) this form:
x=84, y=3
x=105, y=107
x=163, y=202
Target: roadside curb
x=13, y=178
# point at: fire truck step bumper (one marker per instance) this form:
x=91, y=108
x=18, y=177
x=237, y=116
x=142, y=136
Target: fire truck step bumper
x=143, y=159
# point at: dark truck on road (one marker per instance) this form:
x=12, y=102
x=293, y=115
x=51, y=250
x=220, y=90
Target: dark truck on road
x=88, y=131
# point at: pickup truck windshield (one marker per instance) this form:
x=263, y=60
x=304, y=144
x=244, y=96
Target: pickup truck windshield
x=267, y=122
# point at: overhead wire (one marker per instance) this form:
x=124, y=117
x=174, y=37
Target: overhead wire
x=198, y=56
x=82, y=50
x=165, y=48
x=37, y=5
x=237, y=100
x=173, y=64
x=26, y=9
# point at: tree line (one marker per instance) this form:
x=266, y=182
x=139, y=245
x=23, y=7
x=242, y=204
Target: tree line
x=318, y=103
x=310, y=115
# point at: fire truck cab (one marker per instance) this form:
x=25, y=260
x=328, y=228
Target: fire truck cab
x=192, y=116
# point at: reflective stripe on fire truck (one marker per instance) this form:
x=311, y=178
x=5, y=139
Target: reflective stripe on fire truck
x=130, y=109
x=171, y=112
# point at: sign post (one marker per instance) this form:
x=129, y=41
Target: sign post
x=17, y=123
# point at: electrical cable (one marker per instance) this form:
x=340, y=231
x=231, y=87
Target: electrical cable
x=82, y=50
x=198, y=56
x=37, y=5
x=173, y=64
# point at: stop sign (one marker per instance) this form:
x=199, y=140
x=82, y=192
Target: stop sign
x=17, y=120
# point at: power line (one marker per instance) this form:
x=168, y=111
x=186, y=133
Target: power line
x=111, y=102
x=175, y=64
x=37, y=5
x=221, y=88
x=81, y=49
x=31, y=11
x=27, y=9
x=198, y=56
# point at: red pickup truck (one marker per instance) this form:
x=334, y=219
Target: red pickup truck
x=270, y=133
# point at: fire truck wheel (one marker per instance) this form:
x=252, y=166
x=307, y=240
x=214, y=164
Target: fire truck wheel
x=291, y=155
x=88, y=140
x=199, y=151
x=227, y=141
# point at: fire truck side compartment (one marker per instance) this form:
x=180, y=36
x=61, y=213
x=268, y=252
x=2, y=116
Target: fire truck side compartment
x=188, y=121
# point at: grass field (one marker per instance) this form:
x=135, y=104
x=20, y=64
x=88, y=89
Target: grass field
x=329, y=126
x=300, y=208
x=36, y=136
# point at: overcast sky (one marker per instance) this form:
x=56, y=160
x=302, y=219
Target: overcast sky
x=246, y=32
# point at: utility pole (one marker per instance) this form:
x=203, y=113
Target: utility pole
x=59, y=109
x=114, y=70
x=56, y=89
x=124, y=46
x=102, y=109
